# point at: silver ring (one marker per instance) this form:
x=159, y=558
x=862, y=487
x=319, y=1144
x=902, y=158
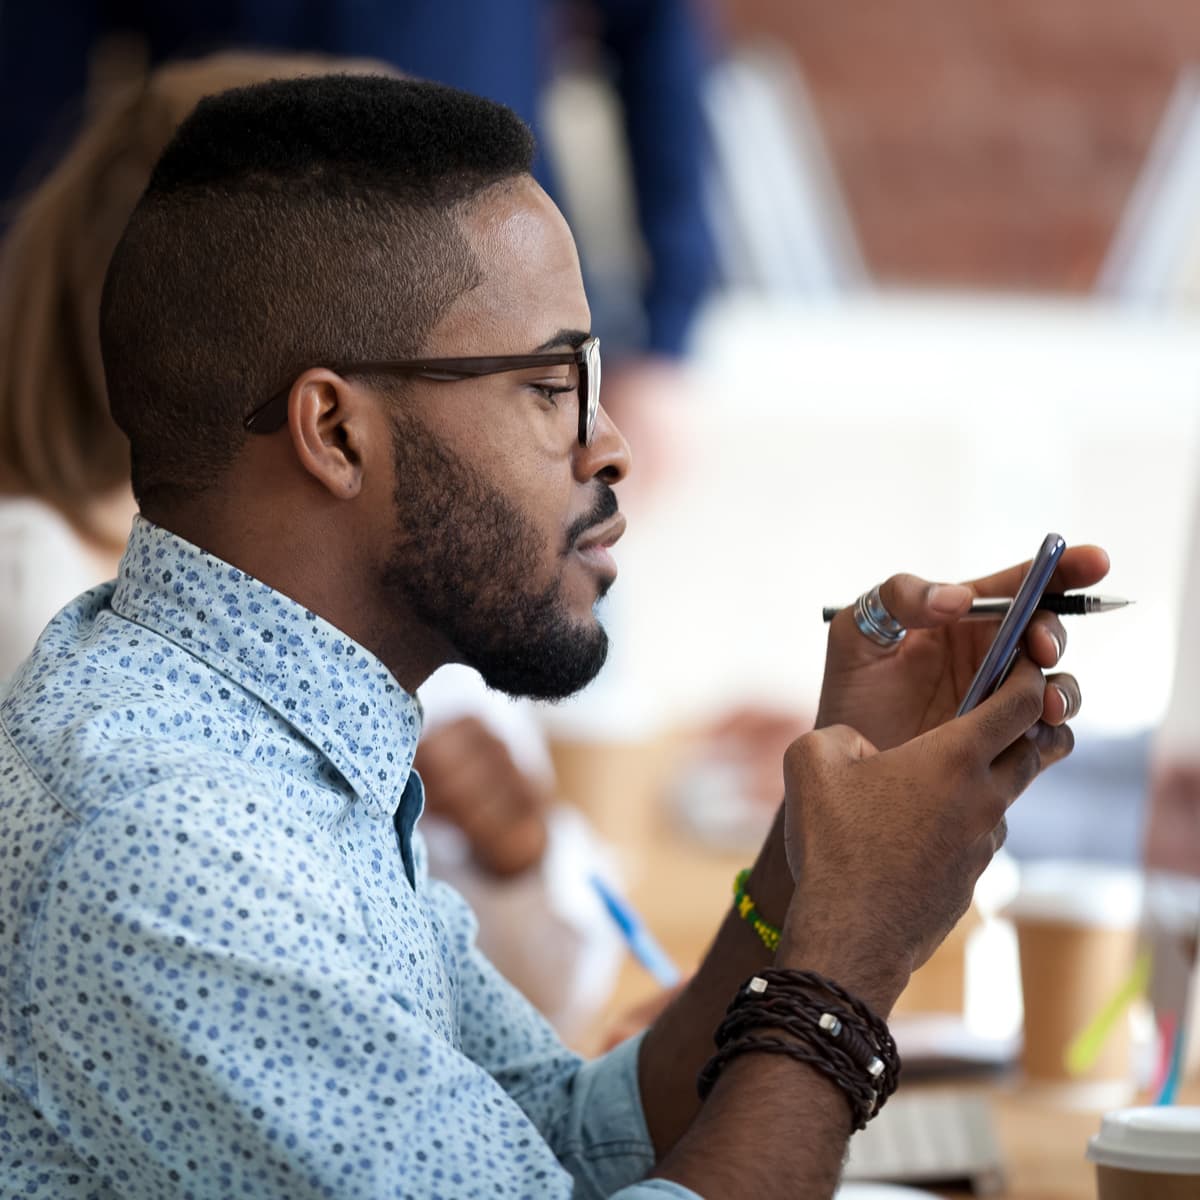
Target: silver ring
x=875, y=622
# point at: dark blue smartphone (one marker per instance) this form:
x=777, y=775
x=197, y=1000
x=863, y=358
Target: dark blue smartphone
x=1002, y=653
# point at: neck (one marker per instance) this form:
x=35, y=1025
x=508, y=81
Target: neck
x=316, y=563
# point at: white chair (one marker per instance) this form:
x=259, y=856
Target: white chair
x=1154, y=261
x=778, y=216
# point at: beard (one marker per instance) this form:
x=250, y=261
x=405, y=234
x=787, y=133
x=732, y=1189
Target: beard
x=463, y=566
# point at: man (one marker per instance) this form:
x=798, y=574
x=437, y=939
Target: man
x=346, y=334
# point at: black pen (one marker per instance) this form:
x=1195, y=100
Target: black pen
x=1066, y=604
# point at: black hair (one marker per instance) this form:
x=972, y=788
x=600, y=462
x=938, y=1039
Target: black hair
x=288, y=224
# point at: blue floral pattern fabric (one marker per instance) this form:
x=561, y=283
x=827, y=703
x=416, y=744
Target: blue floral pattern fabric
x=224, y=970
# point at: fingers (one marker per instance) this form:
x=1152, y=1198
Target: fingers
x=918, y=604
x=1046, y=639
x=444, y=746
x=1002, y=718
x=505, y=833
x=999, y=837
x=456, y=762
x=1019, y=765
x=1063, y=699
x=1057, y=700
x=472, y=782
x=1079, y=567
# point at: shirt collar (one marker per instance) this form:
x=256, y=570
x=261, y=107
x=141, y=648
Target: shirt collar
x=331, y=690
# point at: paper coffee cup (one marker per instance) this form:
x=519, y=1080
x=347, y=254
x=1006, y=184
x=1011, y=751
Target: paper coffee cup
x=1076, y=929
x=1147, y=1152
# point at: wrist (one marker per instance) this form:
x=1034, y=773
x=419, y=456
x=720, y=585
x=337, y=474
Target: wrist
x=771, y=882
x=875, y=978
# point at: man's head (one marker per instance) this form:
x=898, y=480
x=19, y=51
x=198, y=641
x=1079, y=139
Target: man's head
x=297, y=225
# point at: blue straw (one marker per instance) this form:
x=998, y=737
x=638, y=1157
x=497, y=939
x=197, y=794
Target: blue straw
x=641, y=942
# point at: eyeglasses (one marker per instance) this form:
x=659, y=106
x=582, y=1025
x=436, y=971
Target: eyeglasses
x=272, y=415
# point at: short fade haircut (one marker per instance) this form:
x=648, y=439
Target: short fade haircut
x=287, y=224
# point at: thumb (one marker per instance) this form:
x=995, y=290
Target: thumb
x=918, y=604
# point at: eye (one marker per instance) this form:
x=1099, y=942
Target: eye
x=551, y=392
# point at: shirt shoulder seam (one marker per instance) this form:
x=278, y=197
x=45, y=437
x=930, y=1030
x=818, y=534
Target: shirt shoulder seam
x=42, y=782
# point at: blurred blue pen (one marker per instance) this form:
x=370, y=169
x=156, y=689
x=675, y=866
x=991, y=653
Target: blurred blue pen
x=641, y=942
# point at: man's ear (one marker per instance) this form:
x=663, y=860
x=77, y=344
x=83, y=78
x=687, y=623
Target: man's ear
x=329, y=425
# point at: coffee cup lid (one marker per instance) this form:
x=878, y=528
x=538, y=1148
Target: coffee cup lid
x=1162, y=1139
x=1078, y=893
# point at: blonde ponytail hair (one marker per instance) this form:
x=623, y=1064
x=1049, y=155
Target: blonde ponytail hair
x=57, y=440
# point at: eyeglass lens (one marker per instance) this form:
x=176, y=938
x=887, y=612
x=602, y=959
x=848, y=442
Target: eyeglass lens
x=590, y=370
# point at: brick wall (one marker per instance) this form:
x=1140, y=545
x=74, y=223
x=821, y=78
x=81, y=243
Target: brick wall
x=984, y=142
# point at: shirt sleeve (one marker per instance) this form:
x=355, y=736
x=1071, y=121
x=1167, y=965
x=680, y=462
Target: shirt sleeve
x=606, y=1133
x=590, y=1113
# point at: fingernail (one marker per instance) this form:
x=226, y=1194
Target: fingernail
x=1041, y=734
x=1058, y=645
x=1066, y=702
x=948, y=597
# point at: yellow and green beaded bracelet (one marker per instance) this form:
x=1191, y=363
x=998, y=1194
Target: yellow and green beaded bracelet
x=768, y=934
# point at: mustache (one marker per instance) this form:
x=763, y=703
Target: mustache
x=606, y=506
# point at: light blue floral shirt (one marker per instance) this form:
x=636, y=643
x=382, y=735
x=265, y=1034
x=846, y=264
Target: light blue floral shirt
x=224, y=970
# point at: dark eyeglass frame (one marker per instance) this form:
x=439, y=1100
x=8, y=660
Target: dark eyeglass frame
x=272, y=415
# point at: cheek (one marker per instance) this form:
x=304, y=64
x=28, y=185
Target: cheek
x=546, y=504
x=541, y=487
x=537, y=495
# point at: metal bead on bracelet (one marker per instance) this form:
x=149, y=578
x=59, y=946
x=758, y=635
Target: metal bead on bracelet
x=858, y=1049
x=875, y=622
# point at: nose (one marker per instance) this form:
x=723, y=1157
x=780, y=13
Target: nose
x=608, y=457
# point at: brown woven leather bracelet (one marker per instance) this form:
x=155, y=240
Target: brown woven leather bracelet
x=822, y=1025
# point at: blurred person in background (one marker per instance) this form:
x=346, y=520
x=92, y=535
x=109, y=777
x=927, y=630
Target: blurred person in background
x=494, y=827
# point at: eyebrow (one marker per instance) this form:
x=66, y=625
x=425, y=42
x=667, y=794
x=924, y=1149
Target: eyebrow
x=564, y=337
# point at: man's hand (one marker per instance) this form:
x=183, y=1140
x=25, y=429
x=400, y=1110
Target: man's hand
x=472, y=782
x=892, y=695
x=886, y=846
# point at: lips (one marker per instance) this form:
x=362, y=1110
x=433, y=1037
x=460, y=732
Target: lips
x=601, y=537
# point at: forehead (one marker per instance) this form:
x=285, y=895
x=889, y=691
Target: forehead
x=531, y=285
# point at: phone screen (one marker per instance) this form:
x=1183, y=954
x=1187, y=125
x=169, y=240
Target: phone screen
x=1004, y=648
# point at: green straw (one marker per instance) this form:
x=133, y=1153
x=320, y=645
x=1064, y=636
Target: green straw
x=1085, y=1048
